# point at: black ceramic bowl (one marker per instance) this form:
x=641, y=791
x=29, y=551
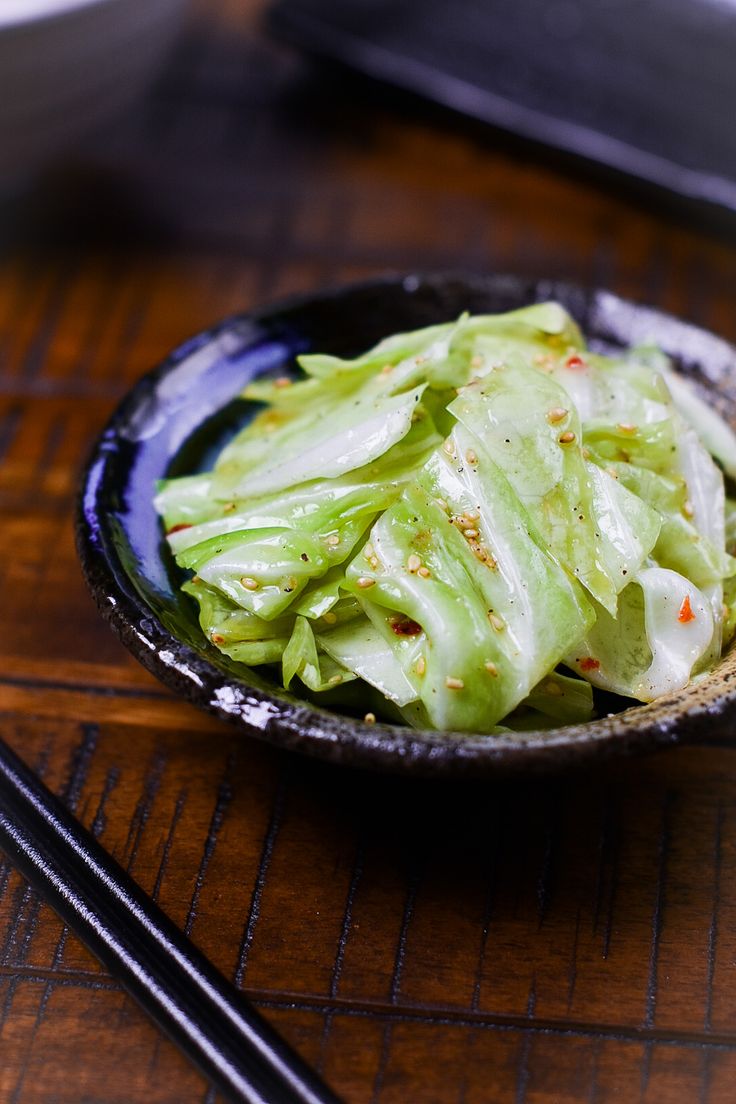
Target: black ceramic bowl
x=176, y=419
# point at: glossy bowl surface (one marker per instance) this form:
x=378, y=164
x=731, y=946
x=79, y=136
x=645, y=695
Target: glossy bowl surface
x=178, y=416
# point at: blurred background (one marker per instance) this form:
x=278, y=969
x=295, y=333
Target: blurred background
x=163, y=164
x=243, y=143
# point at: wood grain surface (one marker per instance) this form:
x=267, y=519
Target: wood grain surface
x=567, y=940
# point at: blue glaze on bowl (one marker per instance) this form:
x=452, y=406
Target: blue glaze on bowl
x=176, y=419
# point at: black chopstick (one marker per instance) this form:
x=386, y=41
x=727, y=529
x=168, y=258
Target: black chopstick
x=209, y=1019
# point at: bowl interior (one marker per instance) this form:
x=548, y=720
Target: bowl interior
x=176, y=420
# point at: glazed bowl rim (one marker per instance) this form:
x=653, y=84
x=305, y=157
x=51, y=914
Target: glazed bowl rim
x=699, y=713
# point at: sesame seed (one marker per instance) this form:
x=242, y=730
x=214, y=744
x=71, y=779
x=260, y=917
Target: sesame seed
x=228, y=507
x=626, y=427
x=386, y=369
x=329, y=618
x=552, y=689
x=556, y=414
x=196, y=579
x=492, y=669
x=333, y=540
x=424, y=572
x=249, y=583
x=282, y=381
x=485, y=556
x=586, y=453
x=413, y=563
x=476, y=361
x=375, y=562
x=567, y=437
x=369, y=551
x=688, y=509
x=365, y=581
x=334, y=680
x=612, y=472
x=449, y=448
x=454, y=683
x=496, y=622
x=370, y=718
x=470, y=533
x=421, y=666
x=471, y=457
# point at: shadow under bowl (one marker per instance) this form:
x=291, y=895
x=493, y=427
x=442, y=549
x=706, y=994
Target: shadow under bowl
x=176, y=419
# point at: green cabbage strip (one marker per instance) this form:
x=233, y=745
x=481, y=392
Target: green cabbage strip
x=468, y=526
x=494, y=608
x=596, y=530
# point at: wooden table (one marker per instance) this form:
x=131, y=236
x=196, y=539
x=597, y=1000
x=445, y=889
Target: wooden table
x=552, y=941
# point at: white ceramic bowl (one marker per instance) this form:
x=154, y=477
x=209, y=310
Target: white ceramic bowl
x=68, y=67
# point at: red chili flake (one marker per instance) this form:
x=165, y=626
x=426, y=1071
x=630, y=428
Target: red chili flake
x=178, y=528
x=686, y=612
x=589, y=664
x=406, y=627
x=575, y=363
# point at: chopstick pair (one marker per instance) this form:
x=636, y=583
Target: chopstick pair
x=204, y=1014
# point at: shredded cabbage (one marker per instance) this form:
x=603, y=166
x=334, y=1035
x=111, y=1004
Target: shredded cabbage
x=475, y=524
